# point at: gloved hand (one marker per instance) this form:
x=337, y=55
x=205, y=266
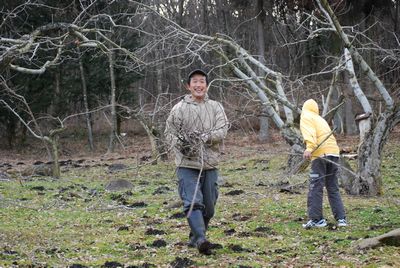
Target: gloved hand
x=186, y=145
x=198, y=137
x=190, y=144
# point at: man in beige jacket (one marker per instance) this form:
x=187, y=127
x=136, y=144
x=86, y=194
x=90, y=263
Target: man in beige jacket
x=195, y=129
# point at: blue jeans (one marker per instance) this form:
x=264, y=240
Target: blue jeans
x=207, y=193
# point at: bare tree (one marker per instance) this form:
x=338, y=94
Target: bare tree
x=260, y=14
x=86, y=103
x=113, y=120
x=51, y=139
x=369, y=180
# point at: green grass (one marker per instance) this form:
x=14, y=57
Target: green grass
x=75, y=221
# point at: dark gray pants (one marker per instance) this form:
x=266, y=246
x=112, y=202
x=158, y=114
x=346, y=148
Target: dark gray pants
x=323, y=172
x=207, y=194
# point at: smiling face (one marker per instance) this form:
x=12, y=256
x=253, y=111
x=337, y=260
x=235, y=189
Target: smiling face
x=198, y=87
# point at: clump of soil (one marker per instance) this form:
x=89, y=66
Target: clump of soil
x=137, y=205
x=240, y=217
x=229, y=231
x=123, y=228
x=235, y=192
x=152, y=231
x=136, y=246
x=112, y=264
x=38, y=188
x=162, y=190
x=237, y=248
x=144, y=265
x=159, y=243
x=178, y=215
x=182, y=262
x=77, y=265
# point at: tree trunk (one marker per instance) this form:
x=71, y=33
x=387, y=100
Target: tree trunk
x=54, y=153
x=86, y=106
x=369, y=180
x=54, y=108
x=11, y=126
x=293, y=137
x=52, y=140
x=350, y=123
x=263, y=134
x=155, y=132
x=155, y=143
x=221, y=13
x=113, y=134
x=206, y=22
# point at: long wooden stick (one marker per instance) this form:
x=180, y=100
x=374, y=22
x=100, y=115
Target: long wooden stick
x=304, y=163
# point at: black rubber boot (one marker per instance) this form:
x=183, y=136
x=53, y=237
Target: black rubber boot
x=206, y=222
x=197, y=226
x=192, y=238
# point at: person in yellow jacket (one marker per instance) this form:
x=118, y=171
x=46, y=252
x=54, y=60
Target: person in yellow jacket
x=322, y=149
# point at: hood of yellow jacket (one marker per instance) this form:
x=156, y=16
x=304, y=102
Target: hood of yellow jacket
x=311, y=106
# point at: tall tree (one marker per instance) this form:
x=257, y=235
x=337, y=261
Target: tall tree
x=369, y=180
x=260, y=15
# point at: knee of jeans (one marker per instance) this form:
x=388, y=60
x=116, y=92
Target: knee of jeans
x=209, y=213
x=196, y=206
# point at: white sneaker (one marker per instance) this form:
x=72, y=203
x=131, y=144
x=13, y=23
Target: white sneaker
x=342, y=223
x=315, y=223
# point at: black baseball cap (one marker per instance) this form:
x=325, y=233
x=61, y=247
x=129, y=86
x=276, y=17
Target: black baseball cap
x=197, y=71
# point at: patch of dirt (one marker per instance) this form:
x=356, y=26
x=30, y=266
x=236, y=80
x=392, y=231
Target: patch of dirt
x=216, y=246
x=77, y=265
x=229, y=231
x=152, y=231
x=112, y=264
x=136, y=205
x=143, y=265
x=136, y=246
x=245, y=234
x=123, y=228
x=177, y=215
x=227, y=185
x=9, y=252
x=237, y=248
x=377, y=227
x=235, y=192
x=162, y=190
x=182, y=262
x=159, y=243
x=264, y=230
x=240, y=217
x=281, y=250
x=288, y=191
x=38, y=188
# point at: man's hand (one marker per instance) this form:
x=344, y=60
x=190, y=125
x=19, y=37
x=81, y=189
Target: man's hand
x=307, y=155
x=197, y=137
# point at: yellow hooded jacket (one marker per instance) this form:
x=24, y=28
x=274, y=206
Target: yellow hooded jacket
x=314, y=129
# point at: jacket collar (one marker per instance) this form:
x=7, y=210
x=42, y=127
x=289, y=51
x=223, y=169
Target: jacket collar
x=189, y=99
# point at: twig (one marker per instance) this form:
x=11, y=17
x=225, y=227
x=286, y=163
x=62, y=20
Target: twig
x=304, y=162
x=198, y=181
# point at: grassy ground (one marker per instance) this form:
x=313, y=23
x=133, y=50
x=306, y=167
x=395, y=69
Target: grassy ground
x=75, y=222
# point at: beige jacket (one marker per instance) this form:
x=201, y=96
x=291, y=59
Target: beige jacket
x=206, y=120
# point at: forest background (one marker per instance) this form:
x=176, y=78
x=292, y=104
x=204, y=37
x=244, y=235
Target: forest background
x=97, y=79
